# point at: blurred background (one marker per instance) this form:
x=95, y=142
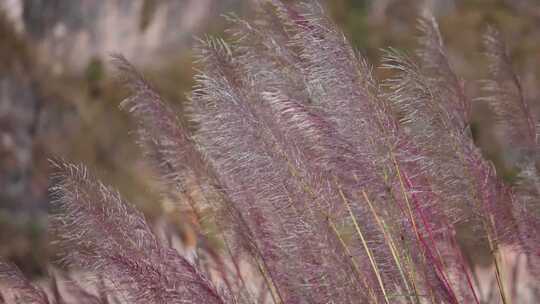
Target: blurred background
x=59, y=96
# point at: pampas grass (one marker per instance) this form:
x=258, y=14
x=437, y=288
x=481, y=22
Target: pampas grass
x=328, y=185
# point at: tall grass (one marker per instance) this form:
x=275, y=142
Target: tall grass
x=333, y=187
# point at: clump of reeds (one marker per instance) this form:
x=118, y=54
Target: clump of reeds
x=334, y=187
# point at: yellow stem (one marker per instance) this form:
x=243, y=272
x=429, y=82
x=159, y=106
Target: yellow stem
x=366, y=247
x=391, y=245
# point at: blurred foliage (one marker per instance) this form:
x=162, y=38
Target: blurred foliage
x=147, y=13
x=353, y=17
x=13, y=49
x=95, y=75
x=462, y=26
x=23, y=241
